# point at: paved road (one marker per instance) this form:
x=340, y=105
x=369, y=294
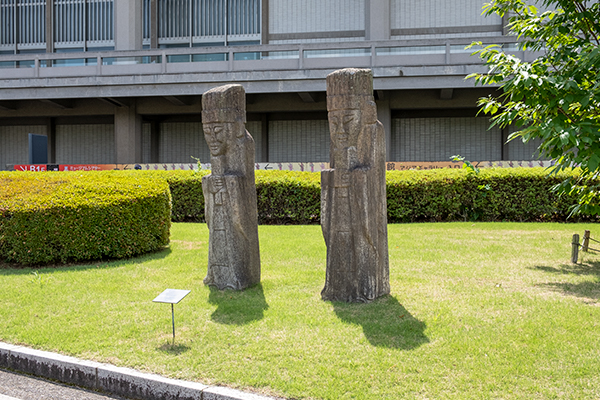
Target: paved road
x=21, y=387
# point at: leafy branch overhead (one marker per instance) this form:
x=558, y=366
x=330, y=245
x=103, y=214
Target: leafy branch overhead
x=556, y=97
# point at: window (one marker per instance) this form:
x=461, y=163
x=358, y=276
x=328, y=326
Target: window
x=22, y=25
x=77, y=25
x=82, y=24
x=204, y=22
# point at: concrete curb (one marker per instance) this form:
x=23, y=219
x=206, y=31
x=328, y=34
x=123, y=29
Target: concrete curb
x=106, y=378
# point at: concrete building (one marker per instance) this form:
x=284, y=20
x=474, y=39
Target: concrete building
x=120, y=81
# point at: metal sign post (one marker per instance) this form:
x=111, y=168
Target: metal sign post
x=172, y=296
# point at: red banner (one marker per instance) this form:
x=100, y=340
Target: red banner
x=30, y=167
x=87, y=167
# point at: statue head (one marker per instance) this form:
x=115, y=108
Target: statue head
x=223, y=117
x=350, y=106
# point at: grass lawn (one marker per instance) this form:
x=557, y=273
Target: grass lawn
x=477, y=310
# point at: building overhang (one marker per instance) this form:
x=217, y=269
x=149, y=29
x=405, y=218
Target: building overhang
x=432, y=64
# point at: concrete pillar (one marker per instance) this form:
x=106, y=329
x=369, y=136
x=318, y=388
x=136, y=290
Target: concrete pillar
x=128, y=24
x=154, y=142
x=49, y=26
x=377, y=19
x=51, y=134
x=154, y=24
x=128, y=135
x=504, y=149
x=264, y=127
x=505, y=21
x=384, y=115
x=264, y=29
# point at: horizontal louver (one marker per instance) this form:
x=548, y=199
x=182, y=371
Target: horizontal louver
x=183, y=21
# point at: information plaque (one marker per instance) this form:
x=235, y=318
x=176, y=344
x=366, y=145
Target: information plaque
x=172, y=296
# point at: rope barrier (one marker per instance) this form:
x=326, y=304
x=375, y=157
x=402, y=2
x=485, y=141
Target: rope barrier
x=589, y=248
x=583, y=246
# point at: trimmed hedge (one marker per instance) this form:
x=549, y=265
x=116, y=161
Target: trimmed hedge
x=186, y=193
x=74, y=216
x=495, y=194
x=288, y=197
x=283, y=197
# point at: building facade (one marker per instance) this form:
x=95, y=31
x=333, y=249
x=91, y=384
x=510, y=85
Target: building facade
x=120, y=81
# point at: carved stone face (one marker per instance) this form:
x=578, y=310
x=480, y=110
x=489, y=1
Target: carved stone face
x=345, y=126
x=218, y=135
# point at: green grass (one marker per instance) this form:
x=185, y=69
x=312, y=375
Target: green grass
x=477, y=311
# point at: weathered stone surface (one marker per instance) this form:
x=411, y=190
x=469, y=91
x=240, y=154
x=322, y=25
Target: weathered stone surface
x=138, y=385
x=230, y=191
x=353, y=194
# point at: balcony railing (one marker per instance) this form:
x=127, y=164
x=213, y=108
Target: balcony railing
x=390, y=53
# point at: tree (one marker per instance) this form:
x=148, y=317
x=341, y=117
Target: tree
x=556, y=97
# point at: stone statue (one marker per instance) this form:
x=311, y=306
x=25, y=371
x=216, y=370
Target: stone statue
x=230, y=191
x=353, y=193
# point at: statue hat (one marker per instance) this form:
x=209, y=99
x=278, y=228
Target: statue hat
x=224, y=104
x=349, y=88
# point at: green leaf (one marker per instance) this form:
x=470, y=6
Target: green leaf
x=593, y=163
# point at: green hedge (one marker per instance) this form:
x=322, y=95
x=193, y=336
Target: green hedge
x=186, y=193
x=284, y=197
x=496, y=194
x=288, y=197
x=73, y=216
x=500, y=194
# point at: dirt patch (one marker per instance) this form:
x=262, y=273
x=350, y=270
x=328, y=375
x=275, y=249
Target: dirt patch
x=185, y=245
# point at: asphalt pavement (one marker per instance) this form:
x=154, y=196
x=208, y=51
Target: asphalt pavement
x=15, y=386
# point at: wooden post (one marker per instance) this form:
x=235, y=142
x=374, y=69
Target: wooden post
x=575, y=251
x=586, y=241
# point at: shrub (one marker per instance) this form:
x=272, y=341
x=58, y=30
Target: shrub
x=60, y=217
x=288, y=197
x=283, y=197
x=496, y=194
x=186, y=193
x=77, y=216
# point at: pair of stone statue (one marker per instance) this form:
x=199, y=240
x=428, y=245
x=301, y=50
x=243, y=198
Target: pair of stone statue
x=353, y=194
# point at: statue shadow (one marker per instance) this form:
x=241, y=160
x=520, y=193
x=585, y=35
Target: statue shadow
x=174, y=349
x=238, y=307
x=385, y=323
x=589, y=289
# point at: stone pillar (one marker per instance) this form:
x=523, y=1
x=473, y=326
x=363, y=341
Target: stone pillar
x=230, y=191
x=128, y=24
x=377, y=19
x=353, y=193
x=128, y=135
